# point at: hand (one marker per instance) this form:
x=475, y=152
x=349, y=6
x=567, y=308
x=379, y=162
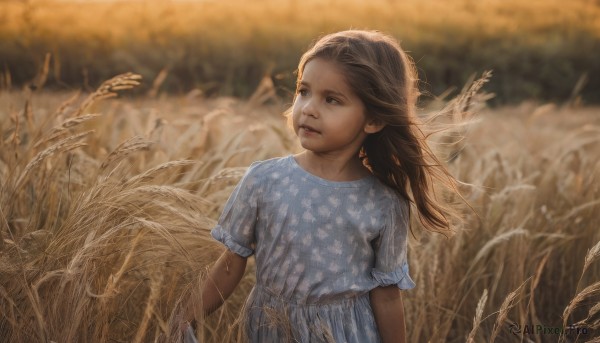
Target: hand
x=189, y=335
x=183, y=325
x=183, y=328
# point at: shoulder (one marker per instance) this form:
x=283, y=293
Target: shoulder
x=265, y=169
x=390, y=199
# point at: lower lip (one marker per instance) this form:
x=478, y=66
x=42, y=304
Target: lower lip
x=308, y=131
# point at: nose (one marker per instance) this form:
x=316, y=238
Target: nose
x=309, y=108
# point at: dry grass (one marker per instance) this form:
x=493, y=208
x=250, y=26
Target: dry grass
x=105, y=210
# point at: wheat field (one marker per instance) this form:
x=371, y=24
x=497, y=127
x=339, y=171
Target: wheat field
x=106, y=203
x=539, y=49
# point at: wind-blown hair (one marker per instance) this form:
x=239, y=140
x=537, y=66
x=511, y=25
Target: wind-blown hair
x=384, y=78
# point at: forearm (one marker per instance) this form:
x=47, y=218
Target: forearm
x=222, y=280
x=388, y=310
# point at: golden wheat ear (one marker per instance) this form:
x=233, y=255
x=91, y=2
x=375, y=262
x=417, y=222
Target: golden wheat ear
x=109, y=89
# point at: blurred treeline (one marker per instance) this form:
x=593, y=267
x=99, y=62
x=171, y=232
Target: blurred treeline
x=538, y=49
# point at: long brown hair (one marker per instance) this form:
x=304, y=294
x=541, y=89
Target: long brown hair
x=385, y=79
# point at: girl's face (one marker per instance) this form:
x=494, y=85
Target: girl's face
x=327, y=115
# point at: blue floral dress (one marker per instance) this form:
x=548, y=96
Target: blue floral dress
x=320, y=247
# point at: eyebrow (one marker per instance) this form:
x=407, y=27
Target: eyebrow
x=326, y=91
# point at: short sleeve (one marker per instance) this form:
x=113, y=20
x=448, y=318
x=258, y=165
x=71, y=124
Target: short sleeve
x=235, y=228
x=391, y=265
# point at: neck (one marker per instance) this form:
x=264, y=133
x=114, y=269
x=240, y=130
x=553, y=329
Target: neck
x=332, y=167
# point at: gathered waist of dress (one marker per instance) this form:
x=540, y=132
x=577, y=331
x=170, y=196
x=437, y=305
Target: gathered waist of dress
x=342, y=299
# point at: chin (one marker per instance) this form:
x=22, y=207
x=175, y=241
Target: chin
x=307, y=146
x=308, y=143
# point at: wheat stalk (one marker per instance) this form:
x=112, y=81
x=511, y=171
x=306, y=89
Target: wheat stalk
x=109, y=89
x=507, y=304
x=478, y=315
x=63, y=145
x=125, y=149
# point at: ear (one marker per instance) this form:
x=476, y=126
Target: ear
x=373, y=126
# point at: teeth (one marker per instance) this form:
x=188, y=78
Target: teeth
x=307, y=129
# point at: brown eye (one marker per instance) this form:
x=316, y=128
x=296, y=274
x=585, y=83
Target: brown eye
x=331, y=100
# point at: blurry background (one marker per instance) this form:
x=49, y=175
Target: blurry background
x=538, y=49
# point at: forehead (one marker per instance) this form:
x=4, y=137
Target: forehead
x=322, y=73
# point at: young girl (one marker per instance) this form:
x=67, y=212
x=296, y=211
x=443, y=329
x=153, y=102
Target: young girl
x=328, y=226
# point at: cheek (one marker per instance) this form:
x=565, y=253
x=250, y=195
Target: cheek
x=295, y=115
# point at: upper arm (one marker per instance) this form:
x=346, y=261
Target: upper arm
x=386, y=294
x=229, y=268
x=234, y=260
x=236, y=225
x=391, y=264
